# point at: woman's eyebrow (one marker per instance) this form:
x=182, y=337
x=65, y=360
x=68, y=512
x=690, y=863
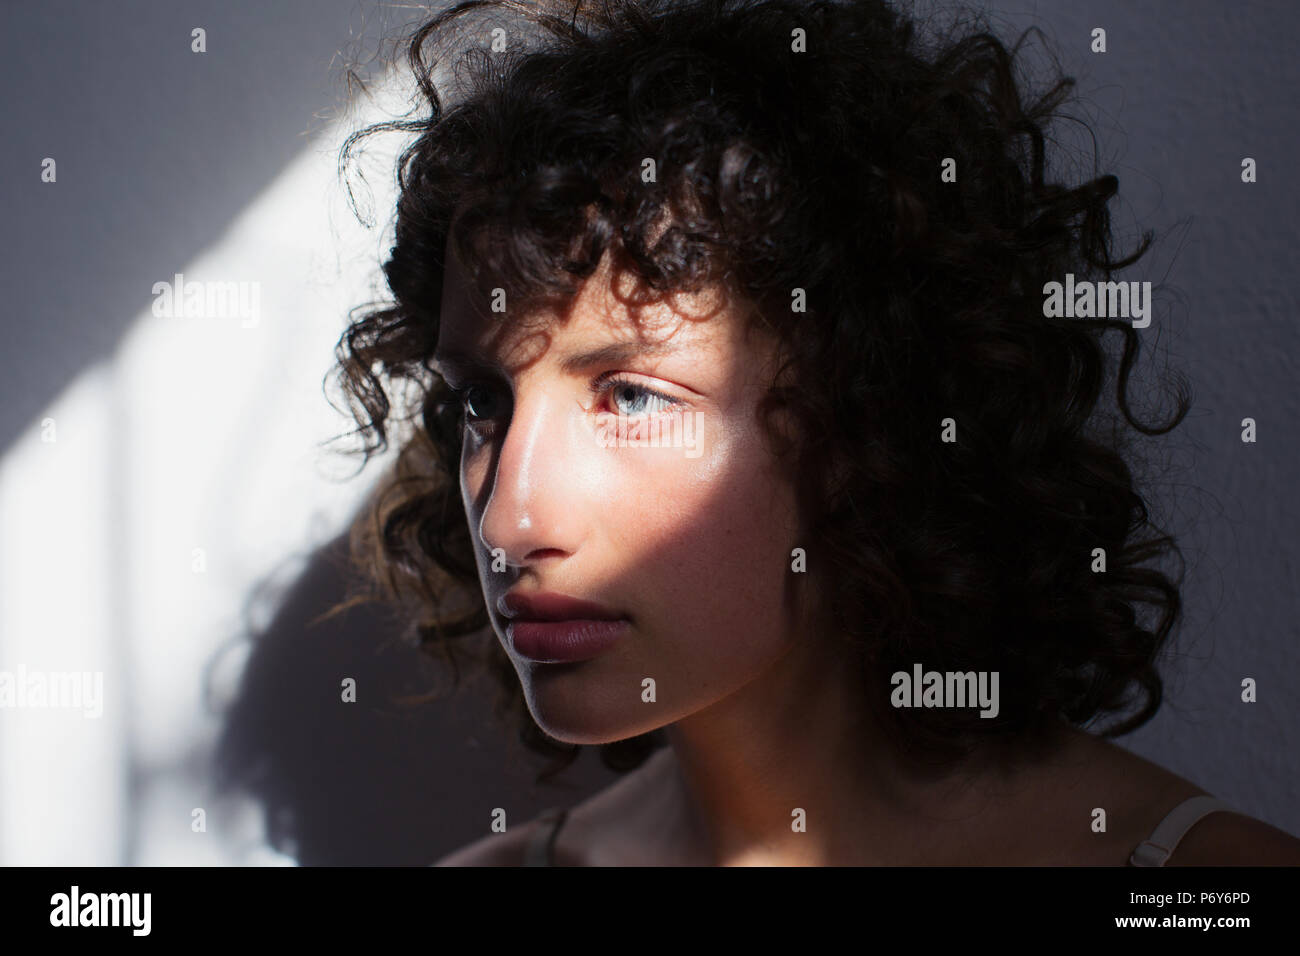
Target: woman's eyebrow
x=614, y=353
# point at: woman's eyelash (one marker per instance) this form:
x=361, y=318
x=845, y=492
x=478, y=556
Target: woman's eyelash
x=609, y=382
x=606, y=384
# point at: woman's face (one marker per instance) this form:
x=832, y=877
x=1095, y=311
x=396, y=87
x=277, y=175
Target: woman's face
x=622, y=464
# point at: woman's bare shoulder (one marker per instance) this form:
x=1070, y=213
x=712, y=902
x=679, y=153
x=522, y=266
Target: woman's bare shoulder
x=1234, y=839
x=1222, y=838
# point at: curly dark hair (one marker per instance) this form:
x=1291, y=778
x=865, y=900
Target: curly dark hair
x=817, y=169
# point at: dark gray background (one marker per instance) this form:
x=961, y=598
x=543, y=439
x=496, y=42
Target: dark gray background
x=158, y=150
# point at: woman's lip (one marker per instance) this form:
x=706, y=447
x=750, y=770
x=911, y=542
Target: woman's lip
x=551, y=606
x=556, y=642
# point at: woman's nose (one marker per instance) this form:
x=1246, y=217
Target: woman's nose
x=534, y=508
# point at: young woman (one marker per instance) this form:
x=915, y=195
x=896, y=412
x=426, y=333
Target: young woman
x=750, y=450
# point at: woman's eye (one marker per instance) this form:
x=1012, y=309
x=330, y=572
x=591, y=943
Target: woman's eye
x=481, y=402
x=631, y=399
x=485, y=403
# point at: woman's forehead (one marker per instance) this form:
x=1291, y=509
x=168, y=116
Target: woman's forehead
x=611, y=311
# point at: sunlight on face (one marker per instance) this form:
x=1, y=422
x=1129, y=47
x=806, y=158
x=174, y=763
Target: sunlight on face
x=614, y=456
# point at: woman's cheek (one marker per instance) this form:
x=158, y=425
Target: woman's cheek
x=670, y=497
x=712, y=528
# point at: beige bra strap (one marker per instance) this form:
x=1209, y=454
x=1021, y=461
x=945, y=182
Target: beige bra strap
x=541, y=845
x=1157, y=848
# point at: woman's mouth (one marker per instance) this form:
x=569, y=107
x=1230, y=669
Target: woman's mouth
x=552, y=628
x=554, y=642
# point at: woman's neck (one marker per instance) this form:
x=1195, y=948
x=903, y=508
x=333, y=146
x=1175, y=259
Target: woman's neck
x=792, y=770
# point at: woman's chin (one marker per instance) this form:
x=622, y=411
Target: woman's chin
x=564, y=722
